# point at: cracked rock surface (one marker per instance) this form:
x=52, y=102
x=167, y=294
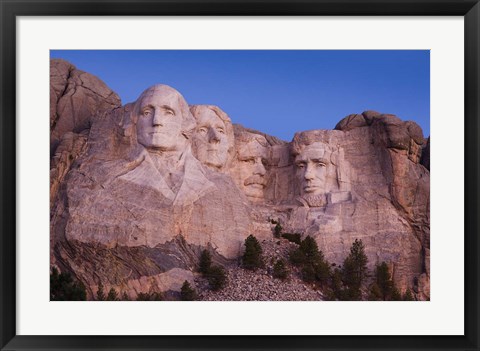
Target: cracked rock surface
x=76, y=97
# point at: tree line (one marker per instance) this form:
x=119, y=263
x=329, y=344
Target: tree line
x=344, y=283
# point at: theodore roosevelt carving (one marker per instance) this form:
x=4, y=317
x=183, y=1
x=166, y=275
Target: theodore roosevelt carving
x=250, y=167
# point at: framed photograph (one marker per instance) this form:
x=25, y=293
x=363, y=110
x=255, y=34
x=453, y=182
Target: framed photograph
x=239, y=175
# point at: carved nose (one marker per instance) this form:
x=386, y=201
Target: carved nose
x=308, y=173
x=157, y=119
x=259, y=168
x=214, y=136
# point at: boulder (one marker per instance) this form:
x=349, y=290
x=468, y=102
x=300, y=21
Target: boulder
x=351, y=122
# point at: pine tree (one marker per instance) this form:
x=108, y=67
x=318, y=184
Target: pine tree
x=408, y=296
x=205, y=262
x=297, y=257
x=252, y=257
x=311, y=260
x=337, y=287
x=386, y=286
x=322, y=269
x=293, y=237
x=217, y=278
x=112, y=295
x=384, y=281
x=277, y=230
x=64, y=288
x=309, y=248
x=100, y=293
x=154, y=296
x=375, y=293
x=307, y=252
x=125, y=297
x=396, y=296
x=187, y=293
x=308, y=273
x=355, y=270
x=280, y=270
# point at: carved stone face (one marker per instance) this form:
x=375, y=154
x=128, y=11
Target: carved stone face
x=252, y=159
x=210, y=140
x=311, y=165
x=159, y=121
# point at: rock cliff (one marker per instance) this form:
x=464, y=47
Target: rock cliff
x=137, y=191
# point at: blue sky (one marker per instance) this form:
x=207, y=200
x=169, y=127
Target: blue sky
x=277, y=92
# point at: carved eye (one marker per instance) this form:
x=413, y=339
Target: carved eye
x=147, y=113
x=320, y=164
x=202, y=130
x=220, y=130
x=300, y=165
x=169, y=112
x=250, y=161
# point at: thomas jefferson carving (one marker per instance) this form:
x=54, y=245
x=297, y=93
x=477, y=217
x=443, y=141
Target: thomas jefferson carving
x=212, y=141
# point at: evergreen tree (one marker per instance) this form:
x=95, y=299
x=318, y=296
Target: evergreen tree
x=375, y=293
x=355, y=270
x=280, y=270
x=386, y=286
x=125, y=297
x=396, y=296
x=277, y=230
x=252, y=257
x=154, y=296
x=408, y=296
x=322, y=269
x=311, y=260
x=100, y=293
x=217, y=278
x=293, y=237
x=64, y=288
x=205, y=262
x=307, y=252
x=337, y=287
x=308, y=273
x=384, y=281
x=297, y=257
x=309, y=248
x=187, y=293
x=112, y=295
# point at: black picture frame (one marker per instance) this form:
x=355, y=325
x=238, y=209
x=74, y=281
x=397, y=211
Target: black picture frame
x=10, y=10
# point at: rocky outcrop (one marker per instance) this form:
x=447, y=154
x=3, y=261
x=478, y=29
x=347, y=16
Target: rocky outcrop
x=68, y=150
x=138, y=191
x=117, y=207
x=392, y=190
x=75, y=98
